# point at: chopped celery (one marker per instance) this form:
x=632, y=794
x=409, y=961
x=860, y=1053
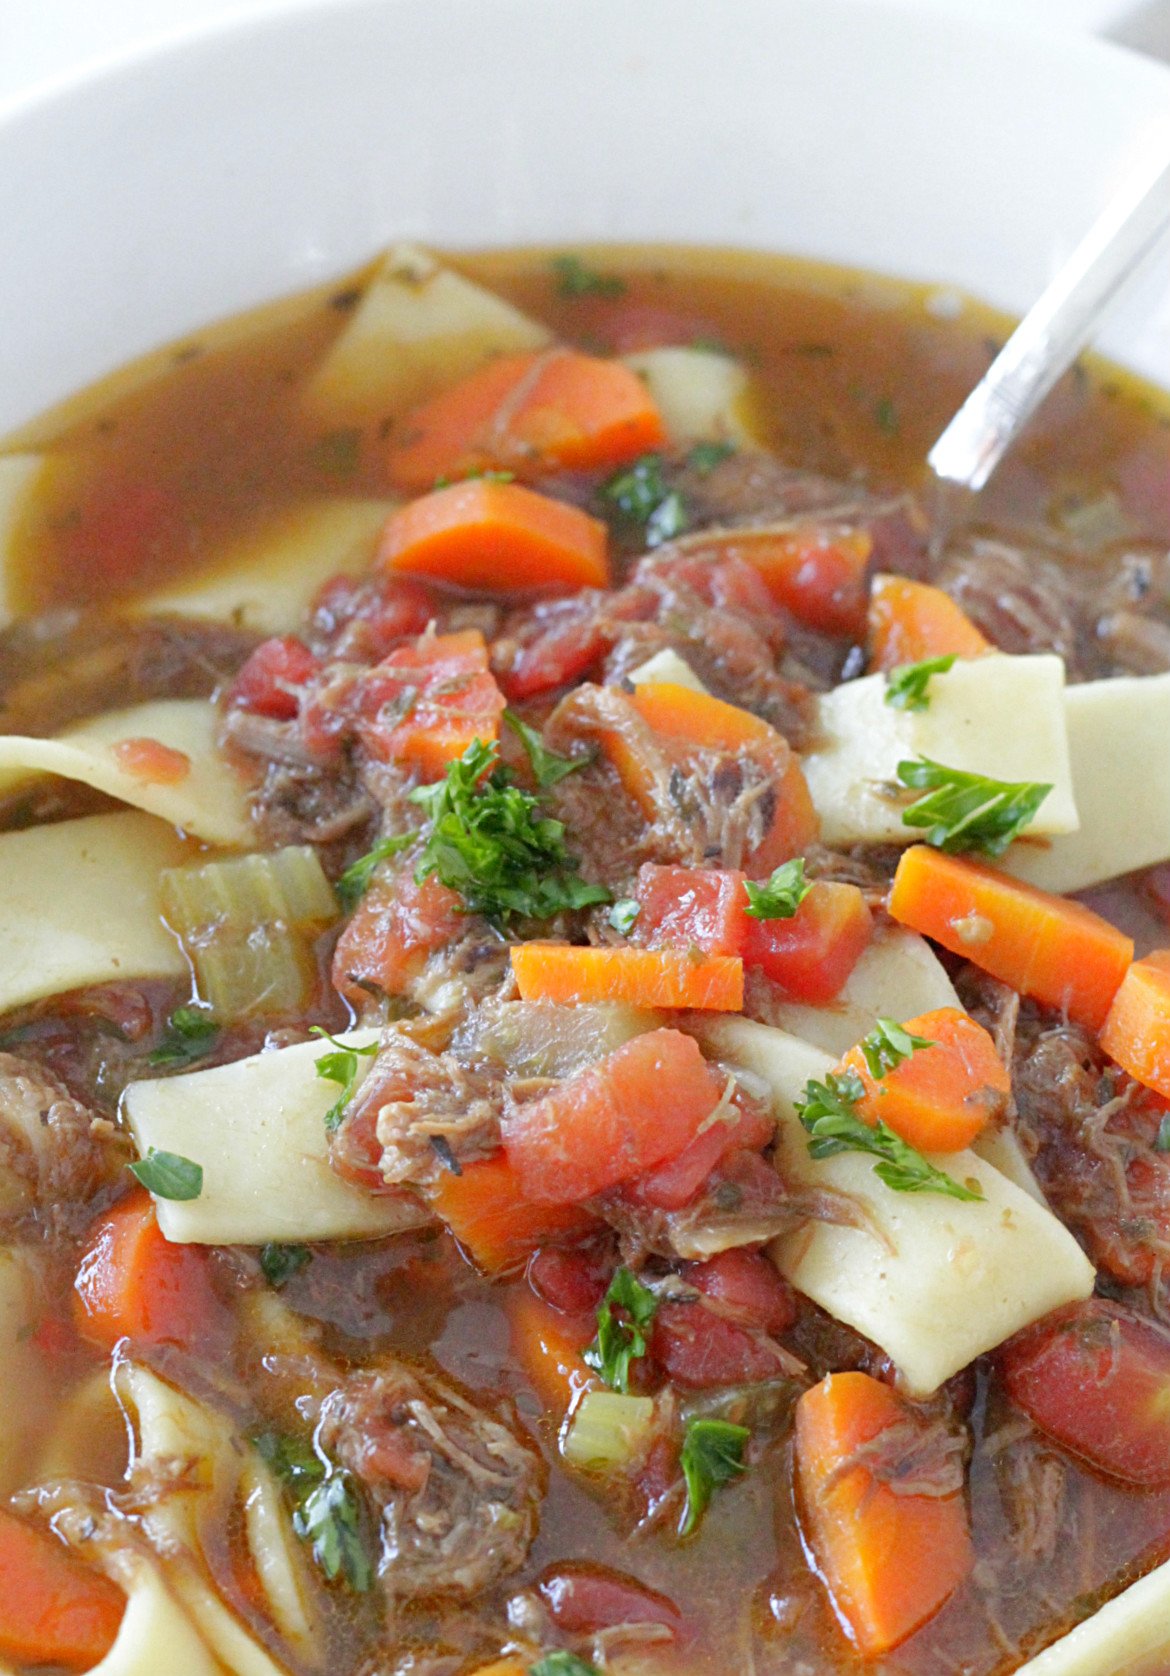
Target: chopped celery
x=247, y=925
x=543, y=1039
x=607, y=1430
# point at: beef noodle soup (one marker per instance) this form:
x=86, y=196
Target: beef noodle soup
x=584, y=1020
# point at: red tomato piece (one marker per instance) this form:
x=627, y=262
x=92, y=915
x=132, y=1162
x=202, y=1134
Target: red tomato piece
x=586, y=1599
x=691, y=907
x=746, y=1285
x=811, y=955
x=698, y=1349
x=271, y=681
x=395, y=926
x=425, y=703
x=1097, y=1379
x=674, y=1184
x=368, y=616
x=572, y=1282
x=151, y=761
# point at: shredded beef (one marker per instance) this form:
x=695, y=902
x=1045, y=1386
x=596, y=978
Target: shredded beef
x=1022, y=599
x=55, y=1154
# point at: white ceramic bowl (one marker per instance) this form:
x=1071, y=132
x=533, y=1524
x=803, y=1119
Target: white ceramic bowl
x=252, y=158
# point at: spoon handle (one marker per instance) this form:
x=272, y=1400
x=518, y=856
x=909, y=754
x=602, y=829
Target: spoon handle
x=1052, y=333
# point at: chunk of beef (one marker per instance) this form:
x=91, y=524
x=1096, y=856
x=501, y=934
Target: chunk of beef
x=1019, y=596
x=55, y=1154
x=457, y=1487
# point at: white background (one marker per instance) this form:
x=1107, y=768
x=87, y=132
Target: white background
x=42, y=40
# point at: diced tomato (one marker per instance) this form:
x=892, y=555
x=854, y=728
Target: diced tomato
x=572, y=1281
x=748, y=1127
x=395, y=926
x=588, y=1599
x=150, y=761
x=691, y=907
x=812, y=954
x=698, y=1349
x=1097, y=1379
x=615, y=1120
x=425, y=703
x=746, y=1285
x=367, y=616
x=270, y=682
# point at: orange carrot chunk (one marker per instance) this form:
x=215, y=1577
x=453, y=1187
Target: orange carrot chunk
x=1055, y=950
x=941, y=1096
x=697, y=719
x=1136, y=1033
x=486, y=1210
x=614, y=1121
x=910, y=621
x=495, y=535
x=134, y=1283
x=54, y=1609
x=889, y=1559
x=548, y=1347
x=640, y=977
x=424, y=704
x=556, y=410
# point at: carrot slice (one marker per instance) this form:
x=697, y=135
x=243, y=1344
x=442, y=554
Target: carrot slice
x=1055, y=950
x=548, y=1347
x=54, y=1609
x=641, y=977
x=942, y=1096
x=495, y=535
x=486, y=1210
x=1136, y=1033
x=134, y=1283
x=909, y=621
x=889, y=1559
x=556, y=410
x=614, y=1121
x=694, y=718
x=424, y=704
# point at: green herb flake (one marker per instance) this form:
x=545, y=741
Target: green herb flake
x=781, y=895
x=705, y=456
x=712, y=1454
x=1162, y=1139
x=168, y=1175
x=886, y=416
x=641, y=496
x=340, y=1067
x=490, y=842
x=888, y=1045
x=624, y=914
x=576, y=279
x=355, y=881
x=907, y=686
x=963, y=811
x=829, y=1113
x=329, y=1520
x=621, y=1338
x=481, y=474
x=548, y=768
x=562, y=1663
x=189, y=1035
x=279, y=1263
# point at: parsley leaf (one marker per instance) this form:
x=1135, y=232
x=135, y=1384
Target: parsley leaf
x=887, y=1045
x=489, y=842
x=189, y=1035
x=641, y=496
x=168, y=1175
x=326, y=1509
x=623, y=915
x=576, y=279
x=712, y=1454
x=968, y=811
x=355, y=881
x=829, y=1113
x=1162, y=1138
x=280, y=1262
x=621, y=1339
x=782, y=895
x=340, y=1067
x=548, y=768
x=906, y=686
x=562, y=1663
x=705, y=456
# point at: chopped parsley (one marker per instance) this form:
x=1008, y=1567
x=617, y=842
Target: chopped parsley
x=907, y=686
x=782, y=895
x=489, y=841
x=279, y=1263
x=480, y=474
x=888, y=1045
x=326, y=1510
x=548, y=768
x=562, y=1663
x=1162, y=1138
x=705, y=456
x=341, y=1067
x=355, y=881
x=963, y=811
x=168, y=1175
x=643, y=500
x=621, y=1338
x=829, y=1113
x=189, y=1035
x=886, y=415
x=624, y=914
x=576, y=278
x=712, y=1454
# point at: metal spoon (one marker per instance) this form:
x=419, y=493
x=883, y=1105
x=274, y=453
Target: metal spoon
x=1046, y=343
